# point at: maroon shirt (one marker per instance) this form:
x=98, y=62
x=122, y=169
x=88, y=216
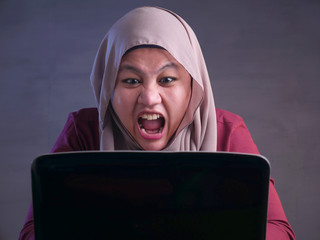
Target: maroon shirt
x=81, y=133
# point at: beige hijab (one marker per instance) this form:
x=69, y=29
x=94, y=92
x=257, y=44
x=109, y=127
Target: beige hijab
x=164, y=28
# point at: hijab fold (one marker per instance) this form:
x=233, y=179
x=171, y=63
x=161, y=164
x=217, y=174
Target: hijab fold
x=163, y=28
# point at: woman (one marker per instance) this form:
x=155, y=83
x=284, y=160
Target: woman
x=153, y=93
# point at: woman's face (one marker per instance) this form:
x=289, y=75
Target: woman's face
x=151, y=96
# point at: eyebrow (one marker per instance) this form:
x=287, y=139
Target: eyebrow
x=126, y=66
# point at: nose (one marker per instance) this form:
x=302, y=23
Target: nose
x=149, y=96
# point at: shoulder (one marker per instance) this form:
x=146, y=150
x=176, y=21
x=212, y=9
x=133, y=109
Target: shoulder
x=86, y=123
x=84, y=115
x=227, y=121
x=232, y=133
x=226, y=117
x=81, y=132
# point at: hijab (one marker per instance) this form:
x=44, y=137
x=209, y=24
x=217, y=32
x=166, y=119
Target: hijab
x=154, y=26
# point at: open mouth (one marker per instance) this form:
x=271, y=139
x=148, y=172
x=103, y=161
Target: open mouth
x=151, y=123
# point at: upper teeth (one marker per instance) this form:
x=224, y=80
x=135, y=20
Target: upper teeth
x=150, y=116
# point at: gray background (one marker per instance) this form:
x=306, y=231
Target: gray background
x=263, y=58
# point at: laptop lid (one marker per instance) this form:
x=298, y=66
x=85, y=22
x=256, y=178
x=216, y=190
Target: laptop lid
x=150, y=195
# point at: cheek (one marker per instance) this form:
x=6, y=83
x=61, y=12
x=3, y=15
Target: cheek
x=116, y=100
x=123, y=104
x=180, y=97
x=118, y=103
x=183, y=95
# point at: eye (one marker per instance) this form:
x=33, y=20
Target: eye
x=167, y=80
x=131, y=81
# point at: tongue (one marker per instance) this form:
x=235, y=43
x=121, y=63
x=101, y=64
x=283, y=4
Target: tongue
x=152, y=124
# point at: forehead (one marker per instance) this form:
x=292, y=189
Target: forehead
x=152, y=57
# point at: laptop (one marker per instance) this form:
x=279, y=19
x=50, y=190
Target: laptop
x=150, y=195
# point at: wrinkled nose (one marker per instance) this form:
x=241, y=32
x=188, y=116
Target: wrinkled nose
x=149, y=96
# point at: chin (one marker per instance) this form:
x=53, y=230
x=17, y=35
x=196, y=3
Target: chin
x=152, y=147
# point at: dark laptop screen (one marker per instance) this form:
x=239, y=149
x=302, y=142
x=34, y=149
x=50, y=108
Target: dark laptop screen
x=150, y=195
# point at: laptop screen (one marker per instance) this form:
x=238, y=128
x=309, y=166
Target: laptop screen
x=150, y=195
